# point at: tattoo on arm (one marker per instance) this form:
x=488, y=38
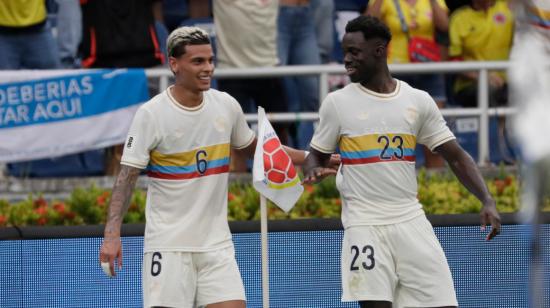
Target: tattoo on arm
x=120, y=198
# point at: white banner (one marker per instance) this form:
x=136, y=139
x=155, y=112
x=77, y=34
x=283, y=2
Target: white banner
x=274, y=175
x=46, y=114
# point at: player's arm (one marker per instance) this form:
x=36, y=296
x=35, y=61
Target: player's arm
x=467, y=172
x=440, y=16
x=298, y=158
x=315, y=165
x=111, y=247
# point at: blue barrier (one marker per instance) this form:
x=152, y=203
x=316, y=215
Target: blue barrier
x=304, y=269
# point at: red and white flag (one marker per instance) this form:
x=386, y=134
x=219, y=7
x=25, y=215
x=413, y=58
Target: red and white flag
x=274, y=175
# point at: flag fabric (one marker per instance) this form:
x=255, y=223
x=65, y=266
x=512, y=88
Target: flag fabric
x=274, y=175
x=58, y=112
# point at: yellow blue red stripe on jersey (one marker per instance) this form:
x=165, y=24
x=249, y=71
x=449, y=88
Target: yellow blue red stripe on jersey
x=539, y=17
x=196, y=163
x=377, y=148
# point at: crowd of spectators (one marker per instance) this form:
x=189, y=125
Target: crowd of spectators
x=51, y=34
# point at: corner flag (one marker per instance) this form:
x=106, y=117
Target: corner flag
x=274, y=175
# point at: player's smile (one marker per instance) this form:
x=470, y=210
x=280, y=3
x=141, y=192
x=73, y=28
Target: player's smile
x=205, y=79
x=350, y=70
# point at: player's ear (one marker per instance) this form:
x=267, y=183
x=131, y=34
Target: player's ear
x=173, y=62
x=380, y=50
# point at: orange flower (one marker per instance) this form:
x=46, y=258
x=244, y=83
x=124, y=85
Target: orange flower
x=70, y=215
x=133, y=207
x=42, y=221
x=60, y=208
x=500, y=185
x=42, y=211
x=100, y=201
x=309, y=188
x=40, y=202
x=230, y=197
x=338, y=201
x=508, y=180
x=3, y=220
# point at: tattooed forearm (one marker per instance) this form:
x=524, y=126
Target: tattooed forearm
x=120, y=199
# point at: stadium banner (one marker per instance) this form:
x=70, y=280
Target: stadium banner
x=274, y=175
x=51, y=113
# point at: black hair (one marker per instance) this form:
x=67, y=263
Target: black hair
x=370, y=26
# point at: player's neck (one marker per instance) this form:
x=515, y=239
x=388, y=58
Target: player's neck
x=186, y=97
x=380, y=83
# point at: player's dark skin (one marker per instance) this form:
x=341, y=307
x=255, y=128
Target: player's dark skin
x=365, y=62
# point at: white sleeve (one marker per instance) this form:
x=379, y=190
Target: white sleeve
x=327, y=134
x=241, y=134
x=141, y=140
x=433, y=130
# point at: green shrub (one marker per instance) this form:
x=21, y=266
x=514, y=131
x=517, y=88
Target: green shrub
x=439, y=194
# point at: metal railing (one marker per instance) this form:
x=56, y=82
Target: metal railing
x=323, y=71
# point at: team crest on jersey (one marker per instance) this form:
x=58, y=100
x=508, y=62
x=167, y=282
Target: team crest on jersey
x=499, y=18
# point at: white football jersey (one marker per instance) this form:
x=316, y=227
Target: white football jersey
x=377, y=136
x=185, y=153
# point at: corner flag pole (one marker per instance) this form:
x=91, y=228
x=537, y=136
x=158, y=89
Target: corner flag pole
x=265, y=260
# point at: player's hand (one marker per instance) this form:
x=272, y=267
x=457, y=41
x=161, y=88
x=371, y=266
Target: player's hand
x=489, y=215
x=313, y=176
x=335, y=161
x=111, y=251
x=317, y=174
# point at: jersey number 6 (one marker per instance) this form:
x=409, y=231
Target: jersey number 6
x=202, y=164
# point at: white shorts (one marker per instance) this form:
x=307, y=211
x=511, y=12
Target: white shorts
x=402, y=263
x=191, y=279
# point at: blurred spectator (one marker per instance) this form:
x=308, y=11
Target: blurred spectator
x=177, y=12
x=200, y=15
x=246, y=32
x=297, y=45
x=174, y=12
x=413, y=21
x=345, y=10
x=413, y=24
x=69, y=32
x=119, y=34
x=26, y=40
x=323, y=18
x=160, y=26
x=482, y=31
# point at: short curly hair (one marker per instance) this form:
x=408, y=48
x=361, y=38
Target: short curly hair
x=370, y=26
x=183, y=36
